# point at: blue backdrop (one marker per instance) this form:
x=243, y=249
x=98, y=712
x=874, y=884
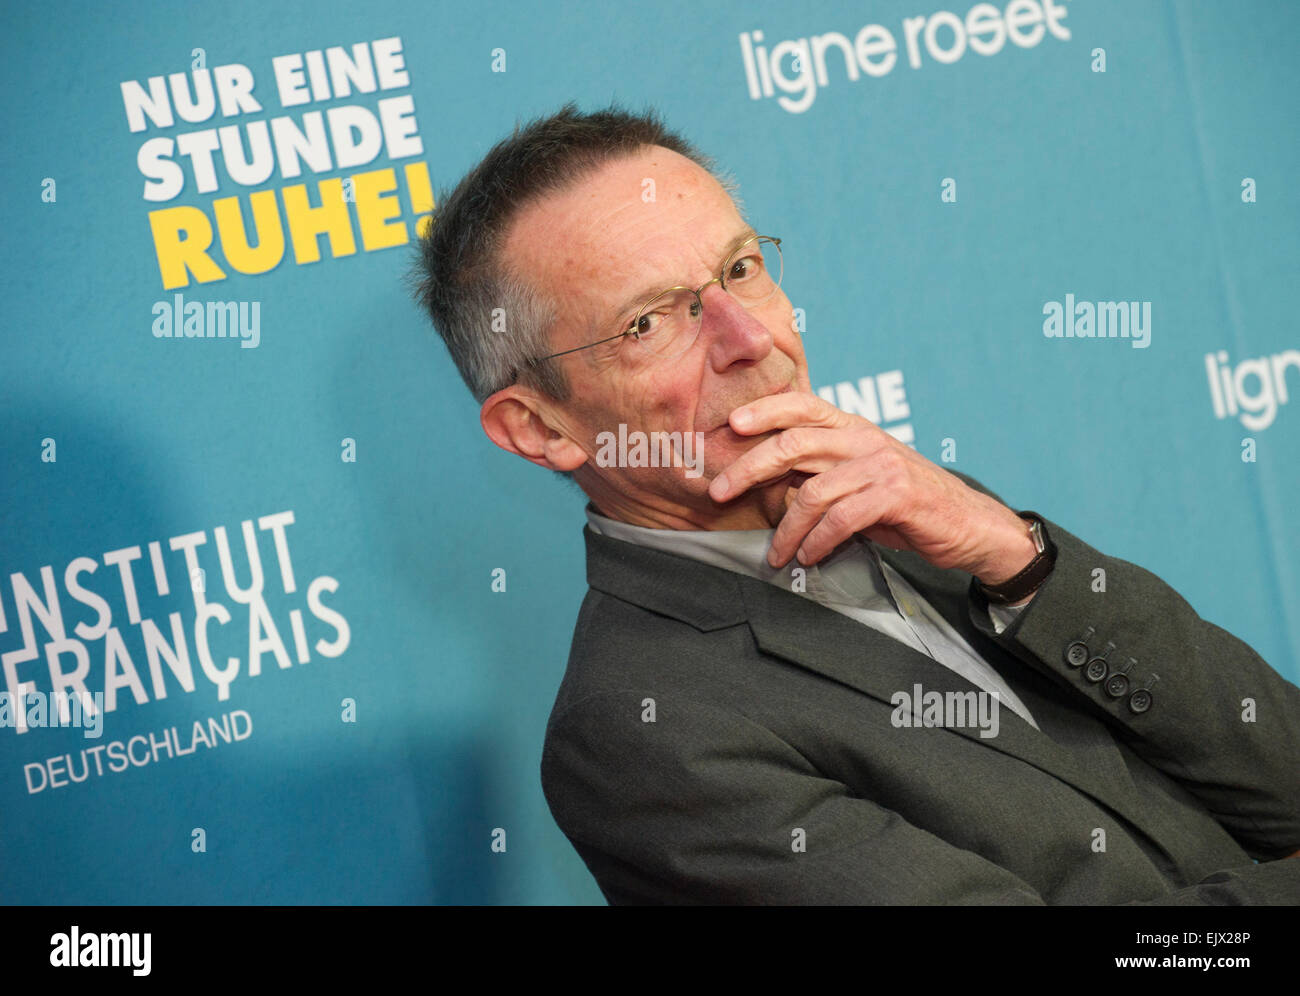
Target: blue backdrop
x=348, y=712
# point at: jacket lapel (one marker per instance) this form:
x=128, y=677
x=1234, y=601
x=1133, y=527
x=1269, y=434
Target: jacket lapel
x=1086, y=738
x=833, y=645
x=1072, y=747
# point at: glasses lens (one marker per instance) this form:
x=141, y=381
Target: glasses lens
x=669, y=324
x=754, y=273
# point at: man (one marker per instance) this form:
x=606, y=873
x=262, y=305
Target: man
x=785, y=680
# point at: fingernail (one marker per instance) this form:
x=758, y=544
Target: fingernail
x=741, y=418
x=719, y=486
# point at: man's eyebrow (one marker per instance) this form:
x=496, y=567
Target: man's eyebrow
x=643, y=296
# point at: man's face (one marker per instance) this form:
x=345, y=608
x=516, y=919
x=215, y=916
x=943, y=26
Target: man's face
x=602, y=249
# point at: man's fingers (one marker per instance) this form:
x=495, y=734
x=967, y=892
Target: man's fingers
x=842, y=520
x=781, y=411
x=809, y=505
x=805, y=449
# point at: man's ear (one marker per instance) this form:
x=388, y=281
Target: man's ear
x=517, y=421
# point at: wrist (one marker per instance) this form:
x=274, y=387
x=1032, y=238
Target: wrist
x=1014, y=573
x=1014, y=551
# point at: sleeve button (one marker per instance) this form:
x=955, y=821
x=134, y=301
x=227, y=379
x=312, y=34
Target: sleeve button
x=1076, y=654
x=1116, y=686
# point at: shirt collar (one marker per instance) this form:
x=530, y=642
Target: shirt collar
x=852, y=574
x=741, y=550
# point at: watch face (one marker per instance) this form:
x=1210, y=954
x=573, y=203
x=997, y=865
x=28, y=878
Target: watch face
x=1036, y=532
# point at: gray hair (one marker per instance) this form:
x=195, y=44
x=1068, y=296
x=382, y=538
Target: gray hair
x=460, y=277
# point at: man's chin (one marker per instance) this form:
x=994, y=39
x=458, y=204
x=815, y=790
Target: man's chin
x=723, y=446
x=773, y=497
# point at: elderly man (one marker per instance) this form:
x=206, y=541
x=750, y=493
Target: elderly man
x=785, y=680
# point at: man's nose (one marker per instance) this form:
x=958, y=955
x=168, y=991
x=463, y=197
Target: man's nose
x=731, y=331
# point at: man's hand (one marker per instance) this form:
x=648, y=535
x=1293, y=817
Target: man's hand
x=859, y=478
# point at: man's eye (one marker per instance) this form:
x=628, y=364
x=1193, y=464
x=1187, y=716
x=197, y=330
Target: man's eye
x=647, y=324
x=745, y=267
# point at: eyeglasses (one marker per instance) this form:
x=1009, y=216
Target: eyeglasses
x=669, y=323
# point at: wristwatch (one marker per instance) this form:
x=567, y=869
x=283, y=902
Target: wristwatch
x=1035, y=572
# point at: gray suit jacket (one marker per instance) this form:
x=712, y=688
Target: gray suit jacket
x=717, y=739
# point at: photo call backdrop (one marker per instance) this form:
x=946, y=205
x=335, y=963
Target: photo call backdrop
x=248, y=505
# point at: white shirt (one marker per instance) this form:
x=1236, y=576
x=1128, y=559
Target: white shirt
x=852, y=581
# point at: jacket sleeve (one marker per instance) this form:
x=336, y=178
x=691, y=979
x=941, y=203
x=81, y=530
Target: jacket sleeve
x=1189, y=697
x=703, y=805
